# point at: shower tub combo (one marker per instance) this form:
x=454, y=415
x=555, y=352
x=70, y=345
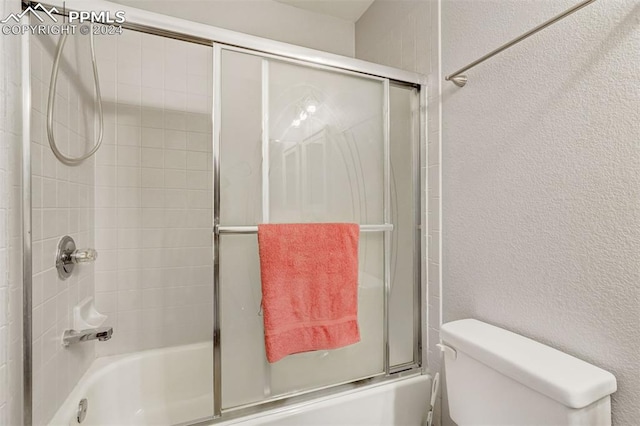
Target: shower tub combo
x=208, y=132
x=168, y=387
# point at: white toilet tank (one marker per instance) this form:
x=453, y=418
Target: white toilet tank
x=496, y=377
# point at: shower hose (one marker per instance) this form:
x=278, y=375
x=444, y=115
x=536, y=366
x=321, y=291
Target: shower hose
x=72, y=161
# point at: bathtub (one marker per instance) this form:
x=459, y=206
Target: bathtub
x=154, y=388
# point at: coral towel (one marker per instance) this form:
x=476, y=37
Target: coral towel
x=309, y=286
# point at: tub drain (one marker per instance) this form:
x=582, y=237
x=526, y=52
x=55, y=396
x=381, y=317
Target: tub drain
x=82, y=410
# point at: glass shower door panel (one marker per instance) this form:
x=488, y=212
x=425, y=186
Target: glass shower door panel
x=328, y=167
x=326, y=164
x=404, y=133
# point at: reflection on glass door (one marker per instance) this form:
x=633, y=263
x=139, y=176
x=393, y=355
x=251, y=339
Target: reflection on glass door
x=304, y=177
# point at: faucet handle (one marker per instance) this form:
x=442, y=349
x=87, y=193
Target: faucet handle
x=84, y=255
x=68, y=256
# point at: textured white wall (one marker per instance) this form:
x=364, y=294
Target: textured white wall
x=541, y=179
x=10, y=226
x=263, y=18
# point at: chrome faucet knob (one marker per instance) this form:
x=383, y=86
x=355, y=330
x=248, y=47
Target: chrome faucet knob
x=84, y=255
x=68, y=256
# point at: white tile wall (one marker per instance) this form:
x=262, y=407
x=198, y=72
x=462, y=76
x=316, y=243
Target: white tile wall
x=10, y=226
x=63, y=204
x=405, y=34
x=153, y=193
x=396, y=33
x=144, y=202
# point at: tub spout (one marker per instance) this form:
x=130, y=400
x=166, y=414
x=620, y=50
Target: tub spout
x=101, y=334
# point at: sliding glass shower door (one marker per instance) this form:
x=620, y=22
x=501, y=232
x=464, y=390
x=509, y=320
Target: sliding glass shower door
x=301, y=143
x=201, y=136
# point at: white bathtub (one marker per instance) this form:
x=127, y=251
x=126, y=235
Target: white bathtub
x=173, y=385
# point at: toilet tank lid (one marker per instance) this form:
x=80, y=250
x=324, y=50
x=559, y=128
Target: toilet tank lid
x=562, y=377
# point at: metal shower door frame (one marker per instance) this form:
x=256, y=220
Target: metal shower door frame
x=389, y=372
x=218, y=38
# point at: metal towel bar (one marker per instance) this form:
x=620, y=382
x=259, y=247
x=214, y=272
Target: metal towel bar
x=254, y=229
